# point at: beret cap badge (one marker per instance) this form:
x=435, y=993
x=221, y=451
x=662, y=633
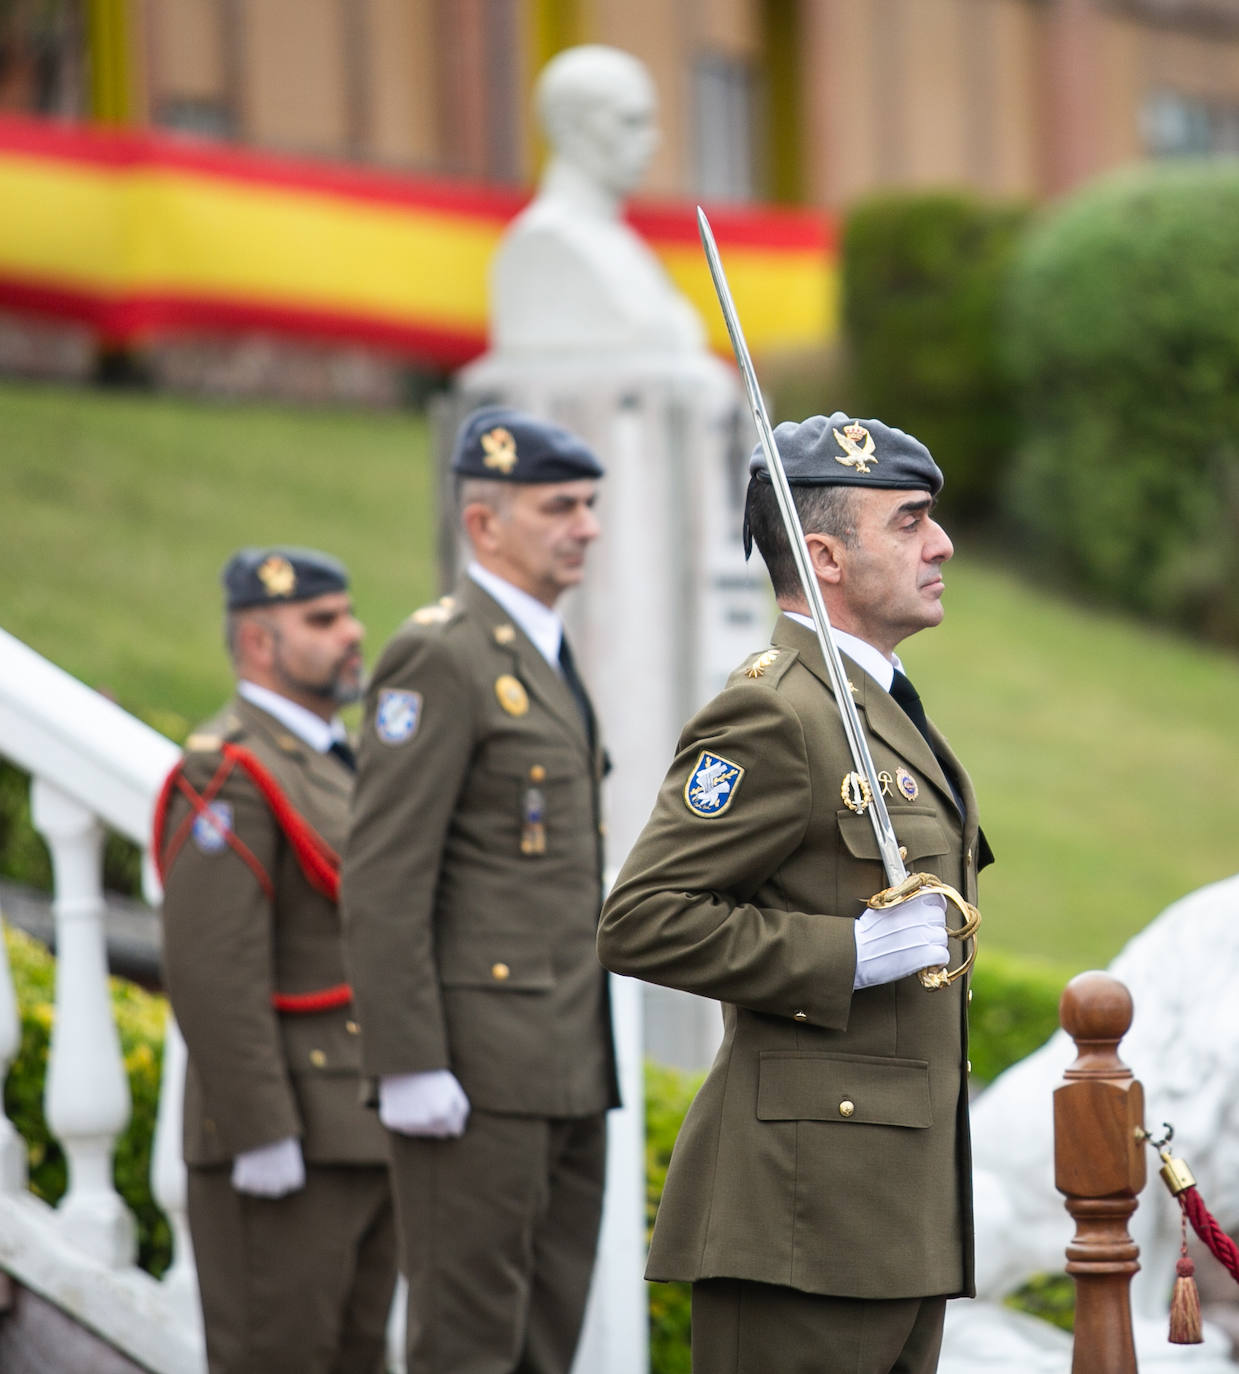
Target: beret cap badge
x=857, y=445
x=277, y=575
x=500, y=450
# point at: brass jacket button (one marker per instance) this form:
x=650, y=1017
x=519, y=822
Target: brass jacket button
x=352, y=1027
x=500, y=971
x=800, y=1016
x=846, y=1107
x=537, y=773
x=318, y=1058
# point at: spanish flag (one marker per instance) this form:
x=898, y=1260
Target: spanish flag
x=142, y=235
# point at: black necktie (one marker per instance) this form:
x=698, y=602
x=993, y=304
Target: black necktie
x=909, y=698
x=344, y=752
x=567, y=666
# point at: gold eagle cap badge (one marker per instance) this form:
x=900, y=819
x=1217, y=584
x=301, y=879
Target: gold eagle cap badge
x=857, y=445
x=500, y=450
x=277, y=575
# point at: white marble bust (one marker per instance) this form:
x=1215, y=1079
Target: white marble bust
x=570, y=275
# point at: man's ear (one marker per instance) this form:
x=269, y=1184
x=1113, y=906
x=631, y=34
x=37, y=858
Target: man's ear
x=255, y=641
x=478, y=522
x=825, y=554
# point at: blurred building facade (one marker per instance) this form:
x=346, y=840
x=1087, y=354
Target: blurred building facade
x=795, y=101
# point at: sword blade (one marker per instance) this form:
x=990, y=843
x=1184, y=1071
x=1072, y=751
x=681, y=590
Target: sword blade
x=858, y=745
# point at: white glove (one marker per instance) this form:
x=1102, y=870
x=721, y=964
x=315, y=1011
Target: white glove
x=270, y=1170
x=902, y=939
x=431, y=1103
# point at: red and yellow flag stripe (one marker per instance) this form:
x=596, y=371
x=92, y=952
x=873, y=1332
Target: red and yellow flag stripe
x=141, y=234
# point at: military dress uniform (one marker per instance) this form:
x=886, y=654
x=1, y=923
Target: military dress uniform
x=471, y=891
x=255, y=974
x=827, y=1151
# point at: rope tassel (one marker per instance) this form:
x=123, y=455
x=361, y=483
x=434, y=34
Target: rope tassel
x=1185, y=1328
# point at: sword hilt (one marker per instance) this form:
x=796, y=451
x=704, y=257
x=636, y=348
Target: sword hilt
x=914, y=885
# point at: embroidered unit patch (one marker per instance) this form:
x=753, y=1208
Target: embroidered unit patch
x=211, y=827
x=712, y=785
x=398, y=715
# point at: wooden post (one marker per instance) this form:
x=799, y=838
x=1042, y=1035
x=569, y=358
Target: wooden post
x=1099, y=1166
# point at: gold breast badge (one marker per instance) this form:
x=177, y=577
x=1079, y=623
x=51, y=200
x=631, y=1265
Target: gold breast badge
x=511, y=695
x=855, y=792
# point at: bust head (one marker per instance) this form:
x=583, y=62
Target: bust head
x=597, y=107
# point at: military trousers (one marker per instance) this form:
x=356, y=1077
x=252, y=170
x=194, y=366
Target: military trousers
x=741, y=1327
x=498, y=1232
x=300, y=1284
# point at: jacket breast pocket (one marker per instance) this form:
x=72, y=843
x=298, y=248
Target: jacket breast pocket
x=851, y=1089
x=511, y=962
x=921, y=833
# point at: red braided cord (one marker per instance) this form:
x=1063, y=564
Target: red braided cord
x=1219, y=1244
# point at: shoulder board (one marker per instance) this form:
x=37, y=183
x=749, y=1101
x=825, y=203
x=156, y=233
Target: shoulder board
x=437, y=613
x=203, y=744
x=767, y=666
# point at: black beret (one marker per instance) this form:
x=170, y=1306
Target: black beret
x=270, y=575
x=837, y=451
x=501, y=444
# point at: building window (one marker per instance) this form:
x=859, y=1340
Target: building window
x=1176, y=125
x=723, y=128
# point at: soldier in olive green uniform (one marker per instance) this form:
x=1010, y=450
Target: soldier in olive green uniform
x=289, y=1202
x=819, y=1193
x=471, y=891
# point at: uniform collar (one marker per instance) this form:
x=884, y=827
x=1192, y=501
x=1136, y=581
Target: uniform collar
x=880, y=668
x=541, y=623
x=318, y=733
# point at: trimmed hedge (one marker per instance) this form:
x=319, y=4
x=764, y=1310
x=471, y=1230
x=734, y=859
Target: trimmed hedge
x=923, y=283
x=1123, y=335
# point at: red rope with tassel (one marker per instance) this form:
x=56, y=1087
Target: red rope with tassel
x=1185, y=1324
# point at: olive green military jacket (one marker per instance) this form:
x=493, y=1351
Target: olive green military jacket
x=257, y=1075
x=471, y=882
x=828, y=1147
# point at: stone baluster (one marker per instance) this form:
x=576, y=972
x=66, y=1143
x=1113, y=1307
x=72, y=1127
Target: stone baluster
x=87, y=1092
x=1099, y=1167
x=168, y=1174
x=12, y=1146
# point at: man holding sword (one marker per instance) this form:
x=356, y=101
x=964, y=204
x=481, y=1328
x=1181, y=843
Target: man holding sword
x=819, y=1194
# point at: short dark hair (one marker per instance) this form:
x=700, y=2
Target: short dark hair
x=822, y=510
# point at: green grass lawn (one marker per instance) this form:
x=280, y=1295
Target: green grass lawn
x=1105, y=754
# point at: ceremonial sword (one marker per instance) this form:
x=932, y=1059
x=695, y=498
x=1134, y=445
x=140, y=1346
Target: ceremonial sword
x=900, y=884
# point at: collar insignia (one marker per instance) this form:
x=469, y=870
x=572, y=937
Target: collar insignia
x=857, y=445
x=277, y=575
x=500, y=450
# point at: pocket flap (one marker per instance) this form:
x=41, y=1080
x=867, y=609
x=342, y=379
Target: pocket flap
x=848, y=1088
x=919, y=832
x=504, y=963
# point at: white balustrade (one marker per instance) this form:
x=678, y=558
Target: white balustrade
x=86, y=1094
x=92, y=765
x=12, y=1146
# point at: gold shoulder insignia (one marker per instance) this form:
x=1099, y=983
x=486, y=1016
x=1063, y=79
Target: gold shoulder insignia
x=202, y=744
x=763, y=661
x=505, y=634
x=430, y=615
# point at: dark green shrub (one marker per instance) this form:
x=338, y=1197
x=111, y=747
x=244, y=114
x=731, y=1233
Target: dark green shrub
x=140, y=1022
x=1124, y=339
x=1014, y=1011
x=923, y=282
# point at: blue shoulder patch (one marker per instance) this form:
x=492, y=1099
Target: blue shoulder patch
x=398, y=715
x=211, y=827
x=712, y=785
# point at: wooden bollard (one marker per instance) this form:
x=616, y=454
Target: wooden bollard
x=1099, y=1167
